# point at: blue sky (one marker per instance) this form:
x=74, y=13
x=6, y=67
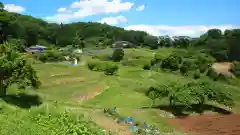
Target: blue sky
x=157, y=17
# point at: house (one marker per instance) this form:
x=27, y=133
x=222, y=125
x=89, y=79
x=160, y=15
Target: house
x=122, y=44
x=36, y=49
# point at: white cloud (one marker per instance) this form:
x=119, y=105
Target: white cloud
x=140, y=8
x=62, y=9
x=84, y=8
x=14, y=8
x=114, y=20
x=191, y=30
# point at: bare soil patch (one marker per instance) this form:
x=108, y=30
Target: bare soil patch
x=110, y=125
x=222, y=67
x=211, y=124
x=91, y=94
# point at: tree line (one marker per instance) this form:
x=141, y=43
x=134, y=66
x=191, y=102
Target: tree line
x=31, y=31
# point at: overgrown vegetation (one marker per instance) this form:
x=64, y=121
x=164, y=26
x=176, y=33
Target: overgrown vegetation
x=47, y=121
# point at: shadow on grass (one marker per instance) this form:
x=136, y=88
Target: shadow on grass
x=182, y=111
x=23, y=100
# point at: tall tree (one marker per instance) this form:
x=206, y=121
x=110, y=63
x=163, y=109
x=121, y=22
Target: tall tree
x=1, y=6
x=15, y=69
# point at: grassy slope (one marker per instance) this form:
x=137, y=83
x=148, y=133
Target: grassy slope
x=64, y=83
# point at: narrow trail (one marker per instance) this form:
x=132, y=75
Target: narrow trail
x=110, y=125
x=92, y=94
x=98, y=117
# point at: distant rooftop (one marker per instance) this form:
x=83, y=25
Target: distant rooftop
x=38, y=46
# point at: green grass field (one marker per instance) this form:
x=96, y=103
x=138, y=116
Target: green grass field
x=63, y=86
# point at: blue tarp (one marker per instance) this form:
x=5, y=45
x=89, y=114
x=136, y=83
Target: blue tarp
x=133, y=128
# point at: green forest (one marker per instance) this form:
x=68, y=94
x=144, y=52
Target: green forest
x=31, y=31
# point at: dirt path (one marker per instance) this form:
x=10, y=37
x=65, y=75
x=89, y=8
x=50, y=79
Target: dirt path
x=110, y=125
x=91, y=94
x=99, y=118
x=214, y=124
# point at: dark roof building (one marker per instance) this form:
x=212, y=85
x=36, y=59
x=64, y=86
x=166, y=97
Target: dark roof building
x=36, y=49
x=123, y=44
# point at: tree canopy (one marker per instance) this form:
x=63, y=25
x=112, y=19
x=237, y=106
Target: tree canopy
x=15, y=69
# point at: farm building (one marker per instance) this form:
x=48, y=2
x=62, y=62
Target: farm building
x=123, y=44
x=36, y=49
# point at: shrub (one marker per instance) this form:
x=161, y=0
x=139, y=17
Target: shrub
x=96, y=65
x=146, y=66
x=172, y=62
x=49, y=55
x=187, y=65
x=91, y=64
x=157, y=59
x=212, y=74
x=117, y=55
x=235, y=69
x=203, y=68
x=111, y=68
x=196, y=74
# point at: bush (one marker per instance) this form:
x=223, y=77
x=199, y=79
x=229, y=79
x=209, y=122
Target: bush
x=172, y=62
x=212, y=74
x=110, y=68
x=146, y=66
x=96, y=65
x=157, y=59
x=118, y=55
x=236, y=68
x=49, y=55
x=187, y=65
x=203, y=68
x=196, y=74
x=91, y=64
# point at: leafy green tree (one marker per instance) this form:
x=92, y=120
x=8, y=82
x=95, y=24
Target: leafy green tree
x=4, y=25
x=118, y=54
x=151, y=41
x=233, y=39
x=19, y=44
x=172, y=62
x=78, y=42
x=32, y=35
x=214, y=33
x=15, y=69
x=110, y=68
x=181, y=42
x=190, y=93
x=1, y=6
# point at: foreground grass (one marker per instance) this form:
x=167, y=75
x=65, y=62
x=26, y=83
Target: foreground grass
x=44, y=120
